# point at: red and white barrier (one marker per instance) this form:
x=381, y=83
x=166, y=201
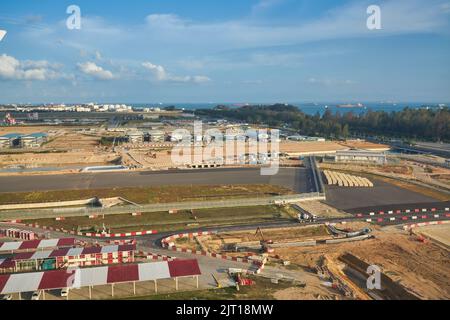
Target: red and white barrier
x=169, y=244
x=18, y=234
x=424, y=224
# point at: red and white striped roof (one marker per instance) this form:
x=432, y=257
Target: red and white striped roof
x=36, y=244
x=64, y=252
x=58, y=279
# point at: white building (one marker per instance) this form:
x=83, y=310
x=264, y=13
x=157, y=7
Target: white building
x=361, y=156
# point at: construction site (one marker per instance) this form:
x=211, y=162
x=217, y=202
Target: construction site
x=216, y=228
x=335, y=260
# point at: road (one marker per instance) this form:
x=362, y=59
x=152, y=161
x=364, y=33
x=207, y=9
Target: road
x=293, y=178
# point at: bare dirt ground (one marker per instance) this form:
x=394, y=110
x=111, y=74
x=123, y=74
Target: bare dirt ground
x=361, y=144
x=33, y=160
x=423, y=269
x=439, y=233
x=216, y=243
x=309, y=147
x=68, y=146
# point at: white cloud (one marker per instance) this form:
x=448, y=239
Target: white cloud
x=91, y=69
x=13, y=69
x=160, y=74
x=265, y=4
x=349, y=21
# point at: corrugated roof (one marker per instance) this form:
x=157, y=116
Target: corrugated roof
x=60, y=279
x=12, y=136
x=70, y=252
x=36, y=135
x=180, y=268
x=36, y=244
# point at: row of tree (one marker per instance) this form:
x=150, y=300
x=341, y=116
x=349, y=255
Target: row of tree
x=419, y=124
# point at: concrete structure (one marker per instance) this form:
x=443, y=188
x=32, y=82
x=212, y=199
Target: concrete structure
x=11, y=139
x=4, y=143
x=305, y=138
x=360, y=156
x=34, y=140
x=156, y=136
x=447, y=163
x=135, y=136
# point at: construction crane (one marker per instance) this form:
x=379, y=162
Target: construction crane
x=264, y=243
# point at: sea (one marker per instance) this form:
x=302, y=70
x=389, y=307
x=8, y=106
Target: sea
x=308, y=108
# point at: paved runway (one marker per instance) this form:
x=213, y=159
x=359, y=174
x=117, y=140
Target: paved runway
x=383, y=194
x=296, y=179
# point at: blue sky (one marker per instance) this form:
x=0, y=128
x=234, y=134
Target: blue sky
x=224, y=51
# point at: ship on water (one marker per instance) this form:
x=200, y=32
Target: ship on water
x=349, y=105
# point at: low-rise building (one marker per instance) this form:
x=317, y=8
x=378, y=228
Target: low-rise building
x=156, y=136
x=4, y=143
x=11, y=140
x=135, y=136
x=34, y=140
x=361, y=156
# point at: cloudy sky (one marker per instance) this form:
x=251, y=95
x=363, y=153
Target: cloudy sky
x=224, y=51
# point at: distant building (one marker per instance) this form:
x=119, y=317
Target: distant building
x=34, y=140
x=447, y=163
x=11, y=140
x=361, y=156
x=4, y=143
x=156, y=136
x=135, y=136
x=305, y=138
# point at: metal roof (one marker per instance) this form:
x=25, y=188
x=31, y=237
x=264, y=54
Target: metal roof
x=36, y=135
x=12, y=136
x=74, y=278
x=36, y=244
x=65, y=252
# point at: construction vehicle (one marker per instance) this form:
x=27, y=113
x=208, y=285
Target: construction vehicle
x=422, y=239
x=264, y=243
x=244, y=281
x=306, y=218
x=236, y=274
